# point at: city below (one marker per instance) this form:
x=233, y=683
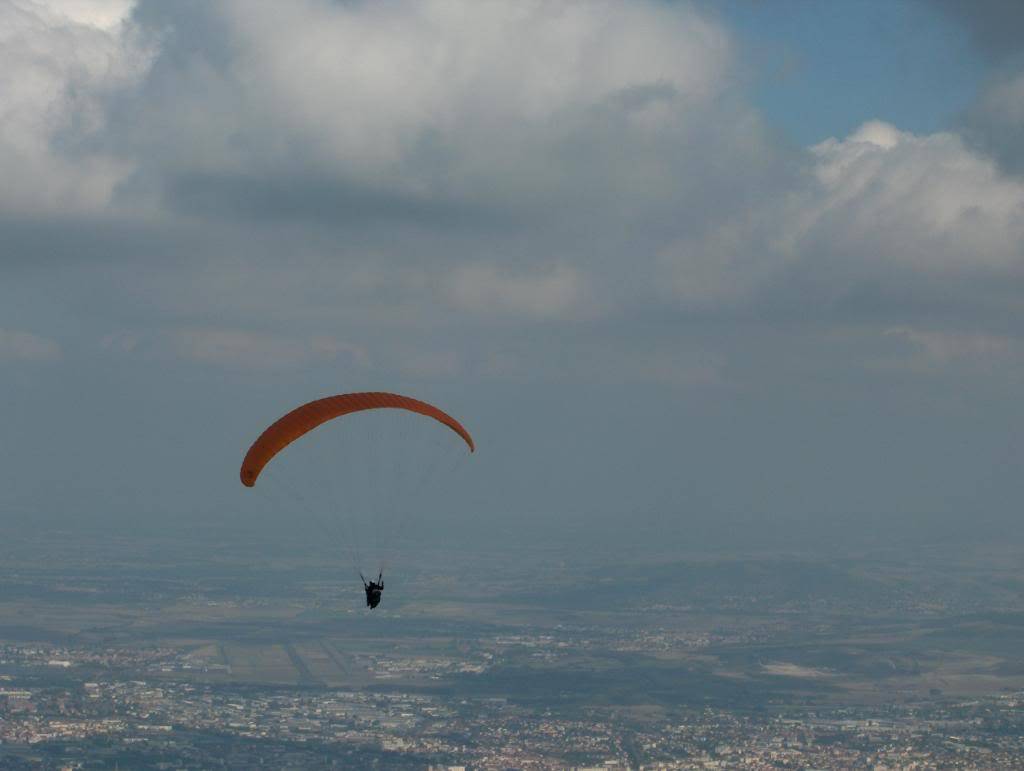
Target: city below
x=718, y=662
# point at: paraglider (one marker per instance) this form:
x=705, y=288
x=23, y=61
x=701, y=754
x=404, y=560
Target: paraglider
x=302, y=420
x=373, y=590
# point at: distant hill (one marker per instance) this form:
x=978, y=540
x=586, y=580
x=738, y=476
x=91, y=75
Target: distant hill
x=757, y=584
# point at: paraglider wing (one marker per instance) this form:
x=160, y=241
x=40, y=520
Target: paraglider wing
x=304, y=419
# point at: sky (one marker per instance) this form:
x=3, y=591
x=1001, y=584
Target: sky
x=747, y=267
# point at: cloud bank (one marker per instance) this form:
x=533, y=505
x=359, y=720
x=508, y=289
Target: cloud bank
x=441, y=192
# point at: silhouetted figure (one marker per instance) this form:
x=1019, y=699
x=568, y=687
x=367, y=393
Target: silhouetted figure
x=373, y=590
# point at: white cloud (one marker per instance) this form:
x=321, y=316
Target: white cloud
x=396, y=70
x=925, y=201
x=882, y=206
x=425, y=103
x=25, y=345
x=103, y=14
x=878, y=134
x=58, y=63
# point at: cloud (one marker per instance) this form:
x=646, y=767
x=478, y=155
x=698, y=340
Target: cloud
x=879, y=218
x=427, y=170
x=928, y=203
x=102, y=14
x=680, y=370
x=533, y=209
x=59, y=63
x=584, y=124
x=233, y=348
x=122, y=342
x=430, y=112
x=993, y=25
x=484, y=288
x=995, y=122
x=430, y=365
x=941, y=348
x=27, y=346
x=250, y=350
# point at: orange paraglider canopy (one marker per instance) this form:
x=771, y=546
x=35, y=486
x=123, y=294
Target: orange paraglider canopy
x=304, y=419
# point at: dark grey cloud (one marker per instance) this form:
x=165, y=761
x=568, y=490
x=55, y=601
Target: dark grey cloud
x=993, y=25
x=329, y=200
x=994, y=124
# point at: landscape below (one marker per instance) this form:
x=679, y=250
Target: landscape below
x=149, y=650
